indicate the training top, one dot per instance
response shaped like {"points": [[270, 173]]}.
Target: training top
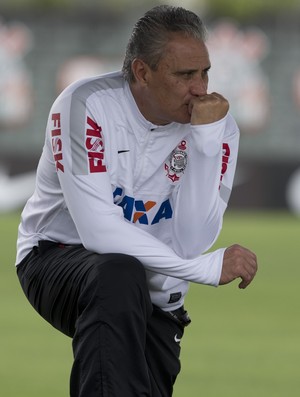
{"points": [[116, 183]]}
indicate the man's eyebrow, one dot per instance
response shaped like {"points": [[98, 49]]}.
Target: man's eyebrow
{"points": [[184, 71]]}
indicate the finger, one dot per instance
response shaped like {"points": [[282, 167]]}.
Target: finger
{"points": [[247, 277], [252, 264], [213, 97], [216, 94], [248, 257], [243, 284]]}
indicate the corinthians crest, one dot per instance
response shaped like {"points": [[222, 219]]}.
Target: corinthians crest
{"points": [[177, 162]]}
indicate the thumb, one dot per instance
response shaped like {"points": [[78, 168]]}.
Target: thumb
{"points": [[243, 284]]}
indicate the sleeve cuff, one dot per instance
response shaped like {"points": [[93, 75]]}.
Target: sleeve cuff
{"points": [[208, 137]]}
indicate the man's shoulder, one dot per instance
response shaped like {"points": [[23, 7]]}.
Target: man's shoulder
{"points": [[230, 122], [90, 85], [89, 90], [86, 87]]}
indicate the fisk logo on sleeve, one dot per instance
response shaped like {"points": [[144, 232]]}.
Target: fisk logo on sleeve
{"points": [[225, 159], [95, 146], [57, 142]]}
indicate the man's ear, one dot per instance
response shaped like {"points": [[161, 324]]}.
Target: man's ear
{"points": [[141, 71]]}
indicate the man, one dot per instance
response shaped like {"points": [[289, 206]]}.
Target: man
{"points": [[132, 185]]}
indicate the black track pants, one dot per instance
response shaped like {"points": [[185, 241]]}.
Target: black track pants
{"points": [[123, 346]]}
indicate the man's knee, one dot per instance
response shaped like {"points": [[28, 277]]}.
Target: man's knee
{"points": [[120, 280], [121, 269]]}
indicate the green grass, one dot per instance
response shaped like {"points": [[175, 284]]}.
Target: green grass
{"points": [[242, 343], [246, 342]]}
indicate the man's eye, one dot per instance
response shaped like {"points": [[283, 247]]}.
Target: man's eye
{"points": [[205, 72], [187, 75]]}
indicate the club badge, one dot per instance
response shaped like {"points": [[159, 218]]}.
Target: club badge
{"points": [[177, 162]]}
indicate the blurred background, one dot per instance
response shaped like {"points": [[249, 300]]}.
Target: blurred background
{"points": [[241, 343], [255, 53]]}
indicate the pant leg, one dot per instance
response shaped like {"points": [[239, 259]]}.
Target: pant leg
{"points": [[163, 352], [111, 333], [51, 277], [103, 302]]}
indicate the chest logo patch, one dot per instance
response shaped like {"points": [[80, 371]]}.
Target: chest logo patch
{"points": [[177, 162]]}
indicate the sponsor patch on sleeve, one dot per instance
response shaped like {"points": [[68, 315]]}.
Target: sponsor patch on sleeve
{"points": [[94, 144], [175, 297]]}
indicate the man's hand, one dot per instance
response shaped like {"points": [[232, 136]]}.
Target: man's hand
{"points": [[208, 108], [238, 262]]}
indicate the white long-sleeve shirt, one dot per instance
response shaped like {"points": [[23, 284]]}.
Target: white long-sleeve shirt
{"points": [[114, 182]]}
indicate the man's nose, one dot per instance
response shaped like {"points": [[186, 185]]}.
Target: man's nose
{"points": [[199, 87]]}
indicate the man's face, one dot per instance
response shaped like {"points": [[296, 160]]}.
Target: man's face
{"points": [[182, 75]]}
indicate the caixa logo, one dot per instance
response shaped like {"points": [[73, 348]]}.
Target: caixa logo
{"points": [[137, 210]]}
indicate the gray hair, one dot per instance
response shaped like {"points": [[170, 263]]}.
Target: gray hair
{"points": [[152, 32]]}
